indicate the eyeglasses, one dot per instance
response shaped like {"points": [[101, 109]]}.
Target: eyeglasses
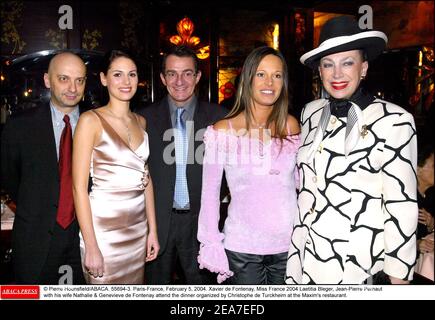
{"points": [[186, 75]]}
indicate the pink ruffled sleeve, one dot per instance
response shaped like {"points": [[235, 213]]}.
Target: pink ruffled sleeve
{"points": [[212, 254]]}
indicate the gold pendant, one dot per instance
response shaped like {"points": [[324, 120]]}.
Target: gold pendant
{"points": [[364, 131]]}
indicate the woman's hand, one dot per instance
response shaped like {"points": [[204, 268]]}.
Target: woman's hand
{"points": [[425, 245], [398, 281], [94, 262], [426, 218], [153, 246]]}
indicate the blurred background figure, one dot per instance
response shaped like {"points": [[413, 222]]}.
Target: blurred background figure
{"points": [[426, 189]]}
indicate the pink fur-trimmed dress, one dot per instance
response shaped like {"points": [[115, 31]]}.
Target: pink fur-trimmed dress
{"points": [[262, 179]]}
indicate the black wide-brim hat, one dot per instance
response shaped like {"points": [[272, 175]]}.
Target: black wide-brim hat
{"points": [[341, 34]]}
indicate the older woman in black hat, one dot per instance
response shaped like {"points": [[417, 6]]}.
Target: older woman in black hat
{"points": [[357, 165]]}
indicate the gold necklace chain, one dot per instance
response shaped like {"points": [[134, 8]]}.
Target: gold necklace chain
{"points": [[126, 127]]}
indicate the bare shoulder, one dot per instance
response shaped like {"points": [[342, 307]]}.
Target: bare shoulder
{"points": [[89, 125], [234, 123], [89, 118], [221, 125], [293, 124], [141, 120]]}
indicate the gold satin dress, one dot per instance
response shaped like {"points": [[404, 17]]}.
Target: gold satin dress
{"points": [[119, 175]]}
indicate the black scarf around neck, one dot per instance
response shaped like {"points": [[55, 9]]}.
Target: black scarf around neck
{"points": [[340, 107]]}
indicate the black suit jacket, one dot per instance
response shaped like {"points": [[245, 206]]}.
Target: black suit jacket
{"points": [[29, 173], [158, 121]]}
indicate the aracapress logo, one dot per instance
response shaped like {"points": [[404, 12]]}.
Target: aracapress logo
{"points": [[19, 292]]}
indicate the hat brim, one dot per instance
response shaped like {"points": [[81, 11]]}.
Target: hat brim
{"points": [[372, 42]]}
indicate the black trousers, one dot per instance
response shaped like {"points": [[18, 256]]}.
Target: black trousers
{"points": [[181, 244], [63, 263], [257, 269]]}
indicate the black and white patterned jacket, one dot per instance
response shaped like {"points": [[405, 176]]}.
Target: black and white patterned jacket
{"points": [[357, 214]]}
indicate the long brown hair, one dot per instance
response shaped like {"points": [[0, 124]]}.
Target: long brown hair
{"points": [[244, 100]]}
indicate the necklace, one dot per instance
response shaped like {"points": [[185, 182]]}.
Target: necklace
{"points": [[259, 130], [126, 127], [259, 125]]}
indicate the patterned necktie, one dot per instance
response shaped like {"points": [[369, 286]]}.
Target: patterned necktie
{"points": [[181, 194], [353, 129], [65, 210]]}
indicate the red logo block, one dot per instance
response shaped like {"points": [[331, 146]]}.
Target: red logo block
{"points": [[19, 292]]}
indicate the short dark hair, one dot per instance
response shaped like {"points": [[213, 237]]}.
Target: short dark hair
{"points": [[111, 56], [180, 51]]}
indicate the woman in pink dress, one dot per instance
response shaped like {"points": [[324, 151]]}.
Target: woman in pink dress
{"points": [[256, 147]]}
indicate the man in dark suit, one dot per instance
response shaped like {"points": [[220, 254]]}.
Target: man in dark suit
{"points": [[176, 166], [45, 235]]}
